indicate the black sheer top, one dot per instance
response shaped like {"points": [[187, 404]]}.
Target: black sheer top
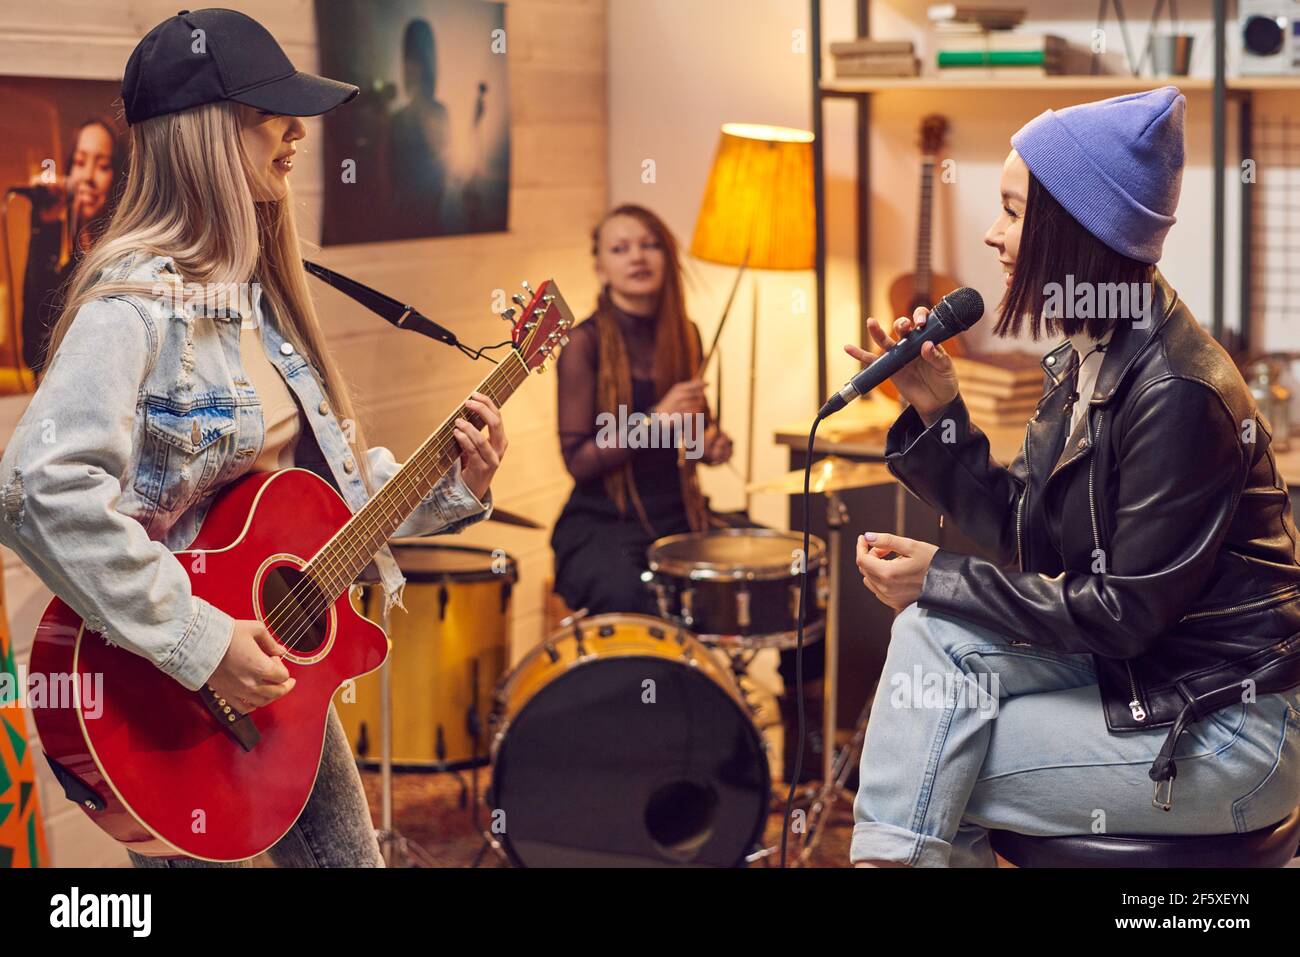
{"points": [[654, 470]]}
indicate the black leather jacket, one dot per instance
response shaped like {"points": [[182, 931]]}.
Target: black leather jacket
{"points": [[1158, 536]]}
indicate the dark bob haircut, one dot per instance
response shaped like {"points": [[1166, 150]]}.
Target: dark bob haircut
{"points": [[1056, 249]]}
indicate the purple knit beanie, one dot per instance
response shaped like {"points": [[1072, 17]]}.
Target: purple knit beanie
{"points": [[1115, 165]]}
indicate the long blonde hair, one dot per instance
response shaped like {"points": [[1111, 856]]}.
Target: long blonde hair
{"points": [[189, 195]]}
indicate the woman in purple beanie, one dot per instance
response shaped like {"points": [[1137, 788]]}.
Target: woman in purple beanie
{"points": [[1133, 610]]}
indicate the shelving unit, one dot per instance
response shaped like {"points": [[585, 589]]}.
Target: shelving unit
{"points": [[1086, 84], [861, 91]]}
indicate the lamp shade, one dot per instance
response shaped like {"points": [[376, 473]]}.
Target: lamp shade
{"points": [[759, 200]]}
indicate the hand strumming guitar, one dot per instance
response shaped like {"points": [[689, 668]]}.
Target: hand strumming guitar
{"points": [[251, 674]]}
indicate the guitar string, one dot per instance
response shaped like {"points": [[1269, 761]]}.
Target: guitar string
{"points": [[331, 565], [336, 572], [296, 616], [335, 566]]}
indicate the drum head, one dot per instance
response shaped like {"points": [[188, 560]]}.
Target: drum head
{"points": [[631, 761], [427, 561], [731, 553]]}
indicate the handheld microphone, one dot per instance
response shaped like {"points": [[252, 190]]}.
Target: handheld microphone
{"points": [[954, 313], [42, 193]]}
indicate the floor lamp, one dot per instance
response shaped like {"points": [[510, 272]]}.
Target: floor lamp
{"points": [[757, 213]]}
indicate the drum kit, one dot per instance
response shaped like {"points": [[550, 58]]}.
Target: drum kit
{"points": [[621, 739]]}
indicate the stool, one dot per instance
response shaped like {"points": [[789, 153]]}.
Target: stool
{"points": [[1272, 846]]}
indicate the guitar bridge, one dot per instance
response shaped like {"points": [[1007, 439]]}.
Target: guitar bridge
{"points": [[236, 724]]}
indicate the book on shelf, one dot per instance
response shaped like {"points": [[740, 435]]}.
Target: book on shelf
{"points": [[1001, 420], [961, 73], [985, 406], [991, 18], [1025, 389], [995, 58], [1005, 40], [1005, 369], [877, 66], [866, 45]]}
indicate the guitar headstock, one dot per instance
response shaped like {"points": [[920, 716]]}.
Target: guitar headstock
{"points": [[542, 328], [934, 130]]}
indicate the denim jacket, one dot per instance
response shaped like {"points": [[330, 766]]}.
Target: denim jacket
{"points": [[144, 414]]}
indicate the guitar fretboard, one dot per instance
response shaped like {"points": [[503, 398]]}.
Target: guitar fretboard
{"points": [[923, 275], [337, 565]]}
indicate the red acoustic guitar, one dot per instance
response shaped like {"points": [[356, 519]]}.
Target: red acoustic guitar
{"points": [[167, 771]]}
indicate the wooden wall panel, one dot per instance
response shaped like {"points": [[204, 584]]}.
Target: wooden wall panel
{"points": [[405, 386]]}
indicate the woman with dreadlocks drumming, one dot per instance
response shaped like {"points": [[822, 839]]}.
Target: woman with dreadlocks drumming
{"points": [[637, 353]]}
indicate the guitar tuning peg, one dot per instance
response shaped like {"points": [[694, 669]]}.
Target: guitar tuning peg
{"points": [[519, 300], [508, 315], [527, 288]]}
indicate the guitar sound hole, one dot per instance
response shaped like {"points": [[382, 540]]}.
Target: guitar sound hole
{"points": [[294, 609]]}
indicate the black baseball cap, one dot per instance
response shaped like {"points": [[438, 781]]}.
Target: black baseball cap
{"points": [[233, 58]]}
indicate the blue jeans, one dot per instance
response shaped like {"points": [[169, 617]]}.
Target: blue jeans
{"points": [[334, 829], [969, 732]]}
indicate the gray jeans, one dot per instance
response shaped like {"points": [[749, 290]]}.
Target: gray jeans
{"points": [[334, 829]]}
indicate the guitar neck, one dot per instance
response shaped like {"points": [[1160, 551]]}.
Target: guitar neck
{"points": [[337, 565], [922, 272]]}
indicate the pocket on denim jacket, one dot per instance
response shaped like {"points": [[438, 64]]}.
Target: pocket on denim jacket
{"points": [[1279, 793], [182, 452]]}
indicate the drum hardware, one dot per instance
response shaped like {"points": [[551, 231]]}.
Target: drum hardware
{"points": [[687, 607], [743, 617], [428, 699], [835, 785], [829, 477], [395, 846], [837, 516]]}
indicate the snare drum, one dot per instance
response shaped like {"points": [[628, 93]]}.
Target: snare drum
{"points": [[448, 653], [739, 586], [622, 741]]}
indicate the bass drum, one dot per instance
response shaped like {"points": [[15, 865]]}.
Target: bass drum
{"points": [[448, 653], [623, 741]]}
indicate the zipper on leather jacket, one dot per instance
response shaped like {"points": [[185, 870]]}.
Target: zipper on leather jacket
{"points": [[1092, 470], [1135, 705], [1020, 505], [1275, 598]]}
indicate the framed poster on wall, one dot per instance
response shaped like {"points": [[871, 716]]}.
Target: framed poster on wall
{"points": [[425, 149], [62, 162]]}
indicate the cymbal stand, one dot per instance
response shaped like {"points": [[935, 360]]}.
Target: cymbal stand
{"points": [[841, 766], [834, 787], [837, 516]]}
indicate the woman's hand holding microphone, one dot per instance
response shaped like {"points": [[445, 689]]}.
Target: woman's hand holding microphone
{"points": [[928, 384]]}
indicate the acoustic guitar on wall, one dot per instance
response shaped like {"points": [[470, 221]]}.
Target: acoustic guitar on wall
{"points": [[923, 286]]}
